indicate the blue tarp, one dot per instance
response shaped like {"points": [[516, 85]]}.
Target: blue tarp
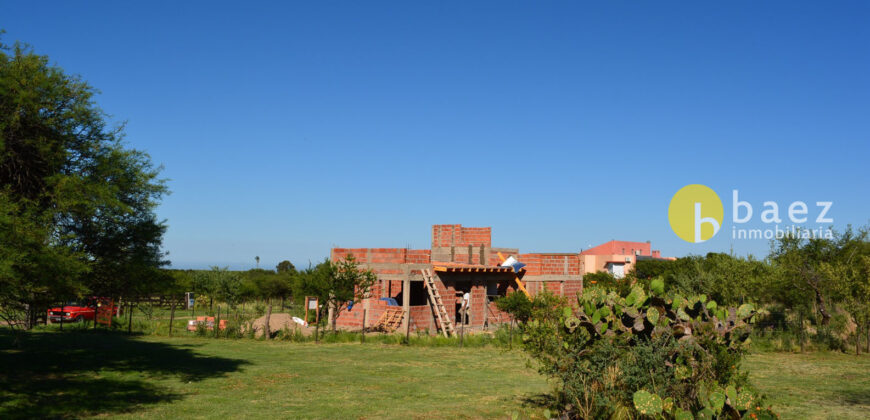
{"points": [[390, 301], [517, 266]]}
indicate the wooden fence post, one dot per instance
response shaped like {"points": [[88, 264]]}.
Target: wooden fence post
{"points": [[171, 315], [801, 329], [462, 327], [130, 317], [511, 333], [365, 312], [217, 322]]}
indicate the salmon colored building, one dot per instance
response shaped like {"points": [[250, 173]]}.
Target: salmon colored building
{"points": [[617, 257], [460, 262]]}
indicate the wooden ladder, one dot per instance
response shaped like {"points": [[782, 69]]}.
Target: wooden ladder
{"points": [[391, 319], [438, 304]]}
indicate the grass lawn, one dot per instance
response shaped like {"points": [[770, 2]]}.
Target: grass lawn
{"points": [[823, 385], [79, 374]]}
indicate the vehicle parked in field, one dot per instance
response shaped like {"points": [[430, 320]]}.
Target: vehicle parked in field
{"points": [[79, 310]]}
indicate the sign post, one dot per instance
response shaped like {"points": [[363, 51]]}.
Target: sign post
{"points": [[311, 303]]}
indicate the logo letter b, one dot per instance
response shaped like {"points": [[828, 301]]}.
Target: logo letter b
{"points": [[686, 217], [700, 221], [736, 209]]}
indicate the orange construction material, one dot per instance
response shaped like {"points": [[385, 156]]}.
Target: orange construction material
{"points": [[517, 279]]}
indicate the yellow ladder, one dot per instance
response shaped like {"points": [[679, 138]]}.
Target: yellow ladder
{"points": [[438, 304]]}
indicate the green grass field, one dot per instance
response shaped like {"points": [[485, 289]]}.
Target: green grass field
{"points": [[822, 385], [80, 374]]}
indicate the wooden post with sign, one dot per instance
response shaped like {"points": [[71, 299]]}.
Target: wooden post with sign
{"points": [[311, 303]]}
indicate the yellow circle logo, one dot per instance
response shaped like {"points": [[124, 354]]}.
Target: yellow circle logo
{"points": [[695, 213]]}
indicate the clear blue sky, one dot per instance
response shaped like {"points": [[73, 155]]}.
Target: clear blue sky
{"points": [[288, 129]]}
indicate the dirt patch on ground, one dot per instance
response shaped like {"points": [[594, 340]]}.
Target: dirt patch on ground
{"points": [[277, 323]]}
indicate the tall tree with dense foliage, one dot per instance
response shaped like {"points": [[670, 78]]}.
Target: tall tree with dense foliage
{"points": [[77, 205], [218, 283], [803, 268], [849, 276], [285, 267]]}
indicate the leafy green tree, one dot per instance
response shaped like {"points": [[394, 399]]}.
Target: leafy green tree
{"points": [[33, 273], [605, 280], [219, 284], [815, 273], [723, 277], [268, 285], [285, 267], [335, 284], [81, 204], [849, 275], [801, 267], [517, 304]]}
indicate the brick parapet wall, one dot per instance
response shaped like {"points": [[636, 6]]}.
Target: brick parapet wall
{"points": [[458, 236], [551, 264]]}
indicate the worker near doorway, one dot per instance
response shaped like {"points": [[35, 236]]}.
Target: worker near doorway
{"points": [[466, 305]]}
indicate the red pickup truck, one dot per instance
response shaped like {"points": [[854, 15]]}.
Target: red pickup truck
{"points": [[78, 311]]}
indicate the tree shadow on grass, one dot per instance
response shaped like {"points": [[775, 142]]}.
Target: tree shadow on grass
{"points": [[75, 374], [539, 400], [856, 396]]}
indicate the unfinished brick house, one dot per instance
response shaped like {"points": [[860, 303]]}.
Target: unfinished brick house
{"points": [[463, 260]]}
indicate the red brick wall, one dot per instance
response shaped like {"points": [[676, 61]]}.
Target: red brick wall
{"points": [[456, 235], [494, 259], [572, 288], [352, 319], [421, 316], [551, 264], [460, 255], [418, 256], [340, 253], [383, 255]]}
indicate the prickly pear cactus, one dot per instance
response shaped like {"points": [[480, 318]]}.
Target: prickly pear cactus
{"points": [[603, 313], [647, 403], [697, 321]]}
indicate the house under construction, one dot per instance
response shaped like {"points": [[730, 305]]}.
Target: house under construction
{"points": [[422, 289]]}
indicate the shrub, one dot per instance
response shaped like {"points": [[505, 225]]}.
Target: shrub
{"points": [[517, 304], [643, 353], [607, 281]]}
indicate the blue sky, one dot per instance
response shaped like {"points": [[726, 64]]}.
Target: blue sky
{"points": [[286, 129]]}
